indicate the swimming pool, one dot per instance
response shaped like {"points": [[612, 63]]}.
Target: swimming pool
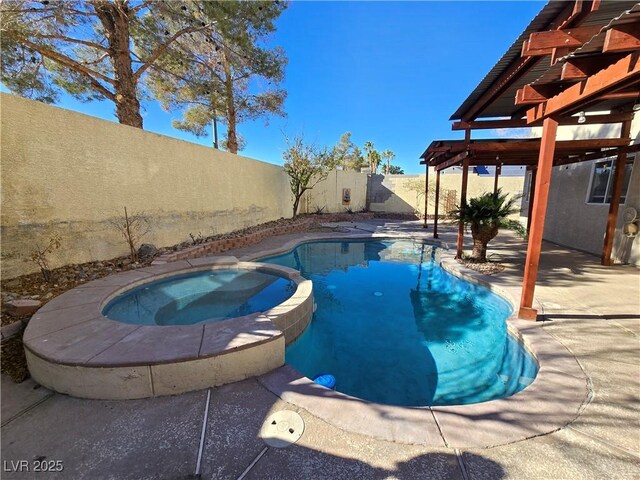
{"points": [[393, 327], [195, 297]]}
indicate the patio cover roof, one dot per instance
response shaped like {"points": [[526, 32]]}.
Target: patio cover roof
{"points": [[541, 69], [443, 154], [580, 57]]}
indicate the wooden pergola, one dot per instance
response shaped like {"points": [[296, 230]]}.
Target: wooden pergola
{"points": [[576, 63]]}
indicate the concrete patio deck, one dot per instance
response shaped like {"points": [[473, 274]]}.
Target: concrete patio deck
{"points": [[592, 310]]}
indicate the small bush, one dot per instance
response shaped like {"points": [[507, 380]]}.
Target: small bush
{"points": [[40, 256]]}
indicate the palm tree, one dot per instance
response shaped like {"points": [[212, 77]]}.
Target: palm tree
{"points": [[373, 156], [388, 155], [485, 215]]}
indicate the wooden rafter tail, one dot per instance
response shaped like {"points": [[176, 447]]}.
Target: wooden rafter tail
{"points": [[489, 124], [621, 74], [453, 161], [569, 38], [622, 38]]}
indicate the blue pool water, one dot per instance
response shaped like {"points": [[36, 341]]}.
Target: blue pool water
{"points": [[393, 327], [200, 296]]}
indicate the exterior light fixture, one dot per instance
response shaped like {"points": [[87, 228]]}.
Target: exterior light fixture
{"points": [[582, 118]]}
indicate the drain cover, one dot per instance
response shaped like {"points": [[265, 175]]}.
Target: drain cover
{"points": [[282, 429]]}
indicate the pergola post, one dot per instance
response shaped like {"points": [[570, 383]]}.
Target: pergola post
{"points": [[495, 180], [543, 179], [426, 192], [612, 218], [435, 218], [532, 196], [463, 201]]}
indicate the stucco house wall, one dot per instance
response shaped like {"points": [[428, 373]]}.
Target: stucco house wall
{"points": [[570, 220]]}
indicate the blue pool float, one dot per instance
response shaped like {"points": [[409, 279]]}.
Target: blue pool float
{"points": [[326, 380]]}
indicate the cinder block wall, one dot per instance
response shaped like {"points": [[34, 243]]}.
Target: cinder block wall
{"points": [[71, 174], [405, 193]]}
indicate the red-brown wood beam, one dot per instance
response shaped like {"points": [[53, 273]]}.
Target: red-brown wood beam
{"points": [[453, 161], [543, 179], [489, 124], [570, 16], [618, 179], [569, 38], [622, 38], [620, 74], [463, 204], [495, 178], [531, 94], [579, 68], [522, 123], [426, 194], [532, 196], [558, 53], [437, 206]]}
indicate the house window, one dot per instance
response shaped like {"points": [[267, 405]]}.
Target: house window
{"points": [[602, 177]]}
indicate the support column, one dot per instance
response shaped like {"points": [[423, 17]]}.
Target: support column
{"points": [[612, 218], [435, 218], [463, 201], [543, 179], [532, 196], [426, 193], [495, 180]]}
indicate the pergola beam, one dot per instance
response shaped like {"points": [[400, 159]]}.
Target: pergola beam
{"points": [[625, 72], [529, 94], [572, 14], [622, 38], [453, 161], [616, 117], [579, 68], [550, 39]]}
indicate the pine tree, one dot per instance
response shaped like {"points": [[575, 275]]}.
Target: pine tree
{"points": [[347, 154], [225, 74]]}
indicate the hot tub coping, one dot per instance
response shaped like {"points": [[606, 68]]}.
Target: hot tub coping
{"points": [[71, 329]]}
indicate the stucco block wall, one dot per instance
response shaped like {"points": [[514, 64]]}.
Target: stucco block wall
{"points": [[405, 193], [328, 193], [71, 174], [573, 222]]}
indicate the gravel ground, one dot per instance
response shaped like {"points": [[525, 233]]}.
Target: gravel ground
{"points": [[33, 286], [488, 267]]}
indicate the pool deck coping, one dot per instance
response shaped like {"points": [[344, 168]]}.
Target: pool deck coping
{"points": [[71, 330], [556, 397]]}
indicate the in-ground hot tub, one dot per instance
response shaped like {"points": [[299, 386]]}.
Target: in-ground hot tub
{"points": [[168, 329], [203, 296]]}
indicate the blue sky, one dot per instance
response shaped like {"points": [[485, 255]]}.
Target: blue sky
{"points": [[389, 72]]}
